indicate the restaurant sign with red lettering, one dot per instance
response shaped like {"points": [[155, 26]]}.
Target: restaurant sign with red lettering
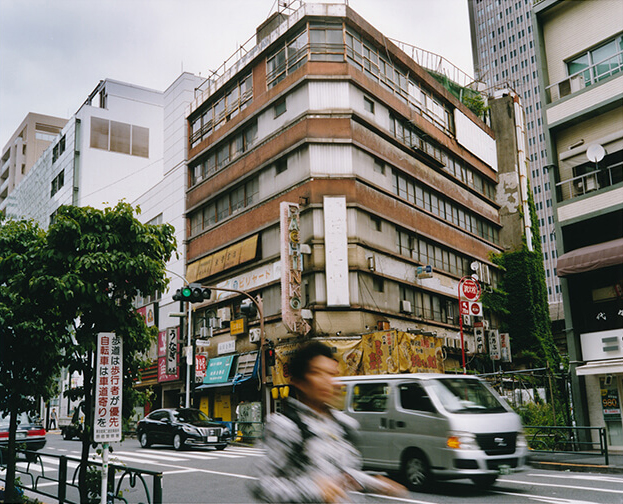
{"points": [[108, 388]]}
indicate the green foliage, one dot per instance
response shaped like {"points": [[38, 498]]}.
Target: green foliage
{"points": [[476, 103], [520, 302]]}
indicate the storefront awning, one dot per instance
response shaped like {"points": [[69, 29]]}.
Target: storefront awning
{"points": [[591, 258], [235, 382], [614, 366]]}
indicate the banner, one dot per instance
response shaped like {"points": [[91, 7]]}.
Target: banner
{"points": [[419, 354], [108, 388], [380, 353]]}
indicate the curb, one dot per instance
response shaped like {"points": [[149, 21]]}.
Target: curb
{"points": [[559, 466]]}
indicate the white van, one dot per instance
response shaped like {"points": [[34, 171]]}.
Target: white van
{"points": [[434, 426]]}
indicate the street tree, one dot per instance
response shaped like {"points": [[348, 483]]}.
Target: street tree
{"points": [[97, 262], [32, 331]]}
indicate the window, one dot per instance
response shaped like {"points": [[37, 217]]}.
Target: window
{"points": [[57, 183], [368, 105], [376, 223], [119, 137], [598, 63], [281, 165], [280, 107], [379, 166], [378, 285], [57, 150], [370, 397], [413, 397]]}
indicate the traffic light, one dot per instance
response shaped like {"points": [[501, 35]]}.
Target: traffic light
{"points": [[193, 293], [269, 355], [248, 309]]}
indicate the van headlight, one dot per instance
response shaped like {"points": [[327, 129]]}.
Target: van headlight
{"points": [[462, 441], [522, 442]]}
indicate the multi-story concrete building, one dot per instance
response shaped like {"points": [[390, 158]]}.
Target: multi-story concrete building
{"points": [[325, 167], [580, 58], [26, 145], [504, 55], [124, 142]]}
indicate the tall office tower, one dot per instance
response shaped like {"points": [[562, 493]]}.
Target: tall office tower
{"points": [[504, 56]]}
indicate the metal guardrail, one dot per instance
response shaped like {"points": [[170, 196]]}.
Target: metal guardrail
{"points": [[563, 439], [120, 478]]}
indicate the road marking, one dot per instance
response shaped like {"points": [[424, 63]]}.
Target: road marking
{"points": [[188, 455], [560, 486], [399, 499], [592, 477], [549, 500], [147, 455], [181, 471]]}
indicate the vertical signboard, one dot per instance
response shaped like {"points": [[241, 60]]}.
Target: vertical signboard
{"points": [[336, 251], [291, 269], [108, 388], [505, 347], [168, 355], [494, 345]]}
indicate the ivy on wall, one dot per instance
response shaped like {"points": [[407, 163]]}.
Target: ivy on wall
{"points": [[520, 301]]}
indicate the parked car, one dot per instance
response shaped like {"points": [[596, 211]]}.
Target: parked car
{"points": [[434, 426], [181, 427], [30, 433]]}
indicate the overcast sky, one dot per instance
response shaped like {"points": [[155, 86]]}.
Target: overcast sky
{"points": [[53, 53]]}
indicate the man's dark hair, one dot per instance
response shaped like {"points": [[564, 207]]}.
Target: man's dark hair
{"points": [[299, 363]]}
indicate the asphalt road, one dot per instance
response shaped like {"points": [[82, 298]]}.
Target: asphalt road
{"points": [[209, 476]]}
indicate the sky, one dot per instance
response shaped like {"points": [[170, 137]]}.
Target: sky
{"points": [[53, 53]]}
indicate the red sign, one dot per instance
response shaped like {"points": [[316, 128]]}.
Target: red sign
{"points": [[475, 309], [464, 307], [470, 289], [201, 365]]}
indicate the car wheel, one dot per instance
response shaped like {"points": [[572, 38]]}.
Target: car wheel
{"points": [[66, 436], [142, 438], [178, 442], [415, 471], [484, 481], [221, 447]]}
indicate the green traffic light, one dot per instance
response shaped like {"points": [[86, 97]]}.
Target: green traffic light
{"points": [[186, 292]]}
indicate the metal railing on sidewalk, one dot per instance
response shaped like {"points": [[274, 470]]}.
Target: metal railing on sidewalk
{"points": [[568, 439], [64, 488]]}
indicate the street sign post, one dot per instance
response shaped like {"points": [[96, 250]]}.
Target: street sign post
{"points": [[469, 294]]}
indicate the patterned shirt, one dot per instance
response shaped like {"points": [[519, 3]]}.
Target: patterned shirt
{"points": [[287, 475]]}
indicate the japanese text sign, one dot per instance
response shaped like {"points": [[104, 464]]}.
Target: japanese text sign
{"points": [[108, 388]]}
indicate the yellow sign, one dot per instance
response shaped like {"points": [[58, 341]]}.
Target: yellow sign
{"points": [[229, 257], [238, 326]]}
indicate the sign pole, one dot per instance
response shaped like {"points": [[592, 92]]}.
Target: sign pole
{"points": [[104, 493], [189, 359], [461, 329]]}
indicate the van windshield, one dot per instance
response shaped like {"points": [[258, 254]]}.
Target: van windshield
{"points": [[466, 396]]}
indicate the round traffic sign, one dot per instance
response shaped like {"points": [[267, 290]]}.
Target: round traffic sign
{"points": [[475, 309], [470, 289]]}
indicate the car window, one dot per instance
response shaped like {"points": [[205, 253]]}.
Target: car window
{"points": [[466, 396], [190, 415], [159, 415], [22, 418], [414, 397], [370, 397]]}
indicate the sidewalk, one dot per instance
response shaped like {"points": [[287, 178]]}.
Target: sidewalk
{"points": [[565, 461]]}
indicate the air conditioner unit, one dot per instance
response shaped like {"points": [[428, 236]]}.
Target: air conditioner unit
{"points": [[224, 313], [254, 335], [405, 306]]}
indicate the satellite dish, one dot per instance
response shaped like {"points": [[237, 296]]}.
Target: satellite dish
{"points": [[595, 153]]}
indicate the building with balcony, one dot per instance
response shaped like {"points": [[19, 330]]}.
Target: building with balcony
{"points": [[31, 138], [504, 54], [580, 57], [327, 169]]}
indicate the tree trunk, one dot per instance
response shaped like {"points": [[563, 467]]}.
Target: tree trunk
{"points": [[87, 373], [10, 494]]}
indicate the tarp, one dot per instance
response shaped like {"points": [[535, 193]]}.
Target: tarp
{"points": [[591, 258]]}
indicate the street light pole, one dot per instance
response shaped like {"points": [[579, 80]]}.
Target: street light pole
{"points": [[189, 349]]}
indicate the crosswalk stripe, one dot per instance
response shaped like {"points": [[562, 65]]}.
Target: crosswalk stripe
{"points": [[147, 455]]}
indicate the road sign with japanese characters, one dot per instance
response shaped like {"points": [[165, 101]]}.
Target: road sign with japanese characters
{"points": [[108, 388]]}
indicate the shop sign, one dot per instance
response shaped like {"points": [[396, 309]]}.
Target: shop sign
{"points": [[494, 345], [168, 355], [225, 347], [470, 289], [108, 388], [201, 365], [291, 269], [149, 314], [336, 250], [218, 369], [505, 347], [610, 403]]}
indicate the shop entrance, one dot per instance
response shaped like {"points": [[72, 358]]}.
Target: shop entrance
{"points": [[222, 407], [611, 408]]}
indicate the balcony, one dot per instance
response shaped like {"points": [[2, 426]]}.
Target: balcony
{"points": [[593, 181], [588, 76]]}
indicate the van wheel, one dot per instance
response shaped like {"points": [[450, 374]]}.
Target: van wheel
{"points": [[485, 481], [415, 471]]}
